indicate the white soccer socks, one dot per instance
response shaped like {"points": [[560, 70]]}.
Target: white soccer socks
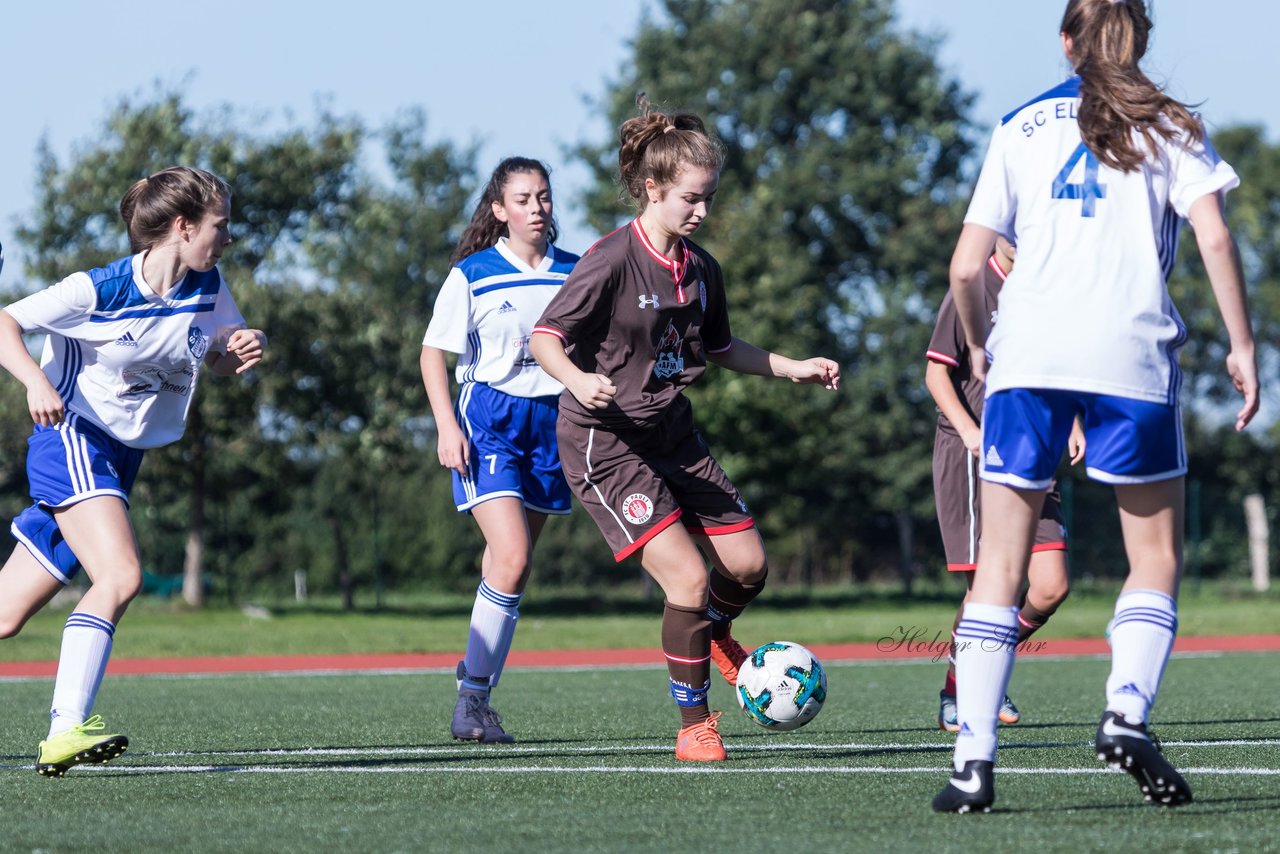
{"points": [[493, 626], [986, 640], [1141, 638], [86, 646]]}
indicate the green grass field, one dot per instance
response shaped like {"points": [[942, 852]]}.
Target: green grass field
{"points": [[364, 763]]}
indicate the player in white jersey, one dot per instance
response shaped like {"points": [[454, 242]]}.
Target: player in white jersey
{"points": [[500, 440], [1091, 180], [125, 345]]}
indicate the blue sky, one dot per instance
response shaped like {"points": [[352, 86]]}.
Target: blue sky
{"points": [[512, 77]]}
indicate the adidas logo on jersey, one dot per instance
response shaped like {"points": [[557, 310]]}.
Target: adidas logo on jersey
{"points": [[506, 307], [126, 340], [993, 457]]}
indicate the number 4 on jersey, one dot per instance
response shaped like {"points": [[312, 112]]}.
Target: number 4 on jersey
{"points": [[1087, 191]]}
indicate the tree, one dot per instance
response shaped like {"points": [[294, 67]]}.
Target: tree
{"points": [[838, 205], [354, 393], [338, 268]]}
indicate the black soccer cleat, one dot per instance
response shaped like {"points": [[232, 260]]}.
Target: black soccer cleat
{"points": [[971, 789], [1129, 748]]}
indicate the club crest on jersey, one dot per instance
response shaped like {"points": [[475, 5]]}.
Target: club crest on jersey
{"points": [[670, 359], [648, 301], [198, 342], [702, 294], [638, 508]]}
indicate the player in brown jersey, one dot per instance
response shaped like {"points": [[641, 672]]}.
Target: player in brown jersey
{"points": [[957, 443], [634, 324]]}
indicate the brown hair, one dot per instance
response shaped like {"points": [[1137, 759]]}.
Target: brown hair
{"points": [[151, 205], [660, 146], [1108, 37], [484, 229]]}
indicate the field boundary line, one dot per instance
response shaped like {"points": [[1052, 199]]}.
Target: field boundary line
{"points": [[895, 648]]}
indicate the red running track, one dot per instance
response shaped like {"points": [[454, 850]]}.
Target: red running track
{"points": [[906, 646]]}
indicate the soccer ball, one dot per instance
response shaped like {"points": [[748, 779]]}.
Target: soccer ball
{"points": [[781, 685]]}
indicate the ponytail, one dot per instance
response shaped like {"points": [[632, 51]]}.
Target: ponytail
{"points": [[1108, 38], [151, 205], [660, 146]]}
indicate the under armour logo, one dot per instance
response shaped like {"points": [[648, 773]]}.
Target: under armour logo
{"points": [[649, 300]]}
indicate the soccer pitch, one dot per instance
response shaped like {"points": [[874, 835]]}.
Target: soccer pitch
{"points": [[363, 762]]}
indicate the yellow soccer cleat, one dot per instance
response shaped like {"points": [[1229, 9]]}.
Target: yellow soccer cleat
{"points": [[85, 743]]}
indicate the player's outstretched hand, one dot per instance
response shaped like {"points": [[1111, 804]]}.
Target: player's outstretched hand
{"points": [[45, 404], [1244, 376], [818, 371], [594, 391], [247, 346]]}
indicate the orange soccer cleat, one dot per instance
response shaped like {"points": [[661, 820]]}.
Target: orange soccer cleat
{"points": [[701, 742], [727, 655]]}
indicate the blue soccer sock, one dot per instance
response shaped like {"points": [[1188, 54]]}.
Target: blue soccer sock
{"points": [[1142, 636], [493, 626], [86, 646], [986, 641]]}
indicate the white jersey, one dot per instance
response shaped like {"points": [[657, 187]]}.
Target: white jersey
{"points": [[1086, 307], [123, 357], [486, 311]]}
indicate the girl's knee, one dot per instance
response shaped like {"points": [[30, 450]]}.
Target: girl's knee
{"points": [[121, 587], [747, 566]]}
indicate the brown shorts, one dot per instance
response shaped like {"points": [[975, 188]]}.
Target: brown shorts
{"points": [[955, 492], [635, 483]]}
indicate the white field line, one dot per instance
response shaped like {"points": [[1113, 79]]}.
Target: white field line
{"points": [[611, 769], [793, 747], [467, 755]]}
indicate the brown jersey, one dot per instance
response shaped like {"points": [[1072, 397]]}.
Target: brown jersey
{"points": [[643, 320], [949, 346], [955, 469]]}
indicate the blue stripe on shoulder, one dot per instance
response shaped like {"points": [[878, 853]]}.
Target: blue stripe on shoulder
{"points": [[519, 283], [155, 311], [114, 285], [561, 261], [1069, 88], [199, 284], [485, 263], [117, 290]]}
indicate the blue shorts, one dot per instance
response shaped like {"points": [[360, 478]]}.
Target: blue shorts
{"points": [[65, 465], [513, 451], [1127, 441]]}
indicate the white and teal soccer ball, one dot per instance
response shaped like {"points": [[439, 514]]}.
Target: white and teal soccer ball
{"points": [[781, 685]]}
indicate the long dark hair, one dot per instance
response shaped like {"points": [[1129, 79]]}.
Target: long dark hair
{"points": [[1108, 37], [485, 228], [150, 206], [658, 145]]}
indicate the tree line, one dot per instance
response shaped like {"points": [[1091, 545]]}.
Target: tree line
{"points": [[849, 157]]}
